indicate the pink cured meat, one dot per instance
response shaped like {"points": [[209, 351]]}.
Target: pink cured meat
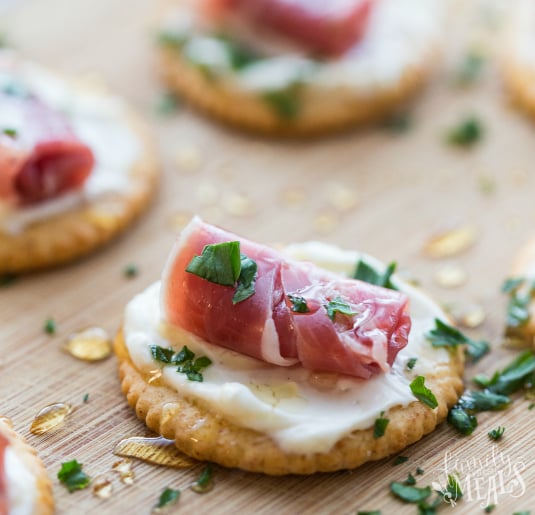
{"points": [[264, 325], [44, 158], [325, 27]]}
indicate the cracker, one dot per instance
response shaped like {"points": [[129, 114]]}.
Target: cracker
{"points": [[73, 234], [44, 501], [322, 112], [177, 417]]}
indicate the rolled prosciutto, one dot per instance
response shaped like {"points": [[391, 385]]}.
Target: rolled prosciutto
{"points": [[321, 27], [40, 156], [247, 297]]}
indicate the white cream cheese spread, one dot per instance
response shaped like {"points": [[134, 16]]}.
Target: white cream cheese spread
{"points": [[98, 120], [399, 36], [21, 485], [301, 410]]}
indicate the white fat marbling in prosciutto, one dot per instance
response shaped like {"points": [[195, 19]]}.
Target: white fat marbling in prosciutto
{"points": [[265, 326]]}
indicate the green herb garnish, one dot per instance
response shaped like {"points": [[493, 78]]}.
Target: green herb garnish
{"points": [[496, 434], [130, 271], [422, 393], [72, 476], [400, 459], [531, 406], [409, 493], [172, 39], [285, 102], [12, 133], [49, 326], [410, 481], [205, 482], [337, 305], [453, 489], [380, 425], [222, 263], [444, 335], [86, 398], [518, 313], [398, 123], [167, 103], [470, 69], [411, 362], [462, 421], [185, 361], [419, 471], [490, 508], [373, 512], [168, 497], [7, 280], [466, 134], [299, 304], [365, 272]]}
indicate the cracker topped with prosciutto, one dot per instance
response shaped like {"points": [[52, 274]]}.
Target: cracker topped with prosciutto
{"points": [[263, 360], [295, 67], [76, 167]]}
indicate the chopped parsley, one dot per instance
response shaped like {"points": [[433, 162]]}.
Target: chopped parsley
{"points": [[72, 476], [422, 393], [380, 425], [166, 103], [373, 512], [496, 434], [410, 481], [419, 471], [337, 305], [185, 361], [400, 459], [49, 326], [173, 39], [368, 274], [285, 102], [518, 313], [409, 493], [86, 398], [531, 406], [466, 133], [12, 133], [470, 68], [7, 280], [444, 335], [490, 508], [299, 304], [130, 271], [398, 123], [411, 362], [168, 497], [453, 489], [223, 264], [205, 482], [462, 421]]}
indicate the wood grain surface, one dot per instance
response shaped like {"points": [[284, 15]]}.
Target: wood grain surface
{"points": [[398, 190]]}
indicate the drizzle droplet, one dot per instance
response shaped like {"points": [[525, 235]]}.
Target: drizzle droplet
{"points": [[124, 469], [92, 344], [49, 417], [159, 451]]}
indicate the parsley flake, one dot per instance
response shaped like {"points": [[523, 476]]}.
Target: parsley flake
{"points": [[411, 362], [419, 471], [337, 305], [72, 476], [7, 280], [462, 421], [422, 393], [453, 488], [411, 480], [205, 482], [368, 274], [49, 326], [467, 133], [299, 304], [520, 296], [130, 271], [409, 493], [444, 335], [168, 497], [400, 459], [86, 398], [285, 102], [222, 263], [398, 123], [496, 434], [185, 360], [470, 68], [380, 425], [12, 133], [490, 508], [373, 512]]}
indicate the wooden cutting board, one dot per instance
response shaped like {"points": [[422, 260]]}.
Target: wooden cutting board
{"points": [[383, 193]]}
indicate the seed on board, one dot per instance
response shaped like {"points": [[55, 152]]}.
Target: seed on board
{"points": [[179, 220], [102, 487], [341, 197], [450, 276], [124, 469], [49, 417], [451, 242], [91, 344], [325, 222], [237, 204], [188, 159], [293, 197]]}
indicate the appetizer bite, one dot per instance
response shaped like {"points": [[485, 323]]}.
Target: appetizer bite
{"points": [[25, 488], [278, 362], [298, 67], [76, 167], [519, 55]]}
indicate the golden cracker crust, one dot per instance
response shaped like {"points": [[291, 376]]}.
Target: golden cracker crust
{"points": [[44, 502], [204, 435], [78, 232], [519, 79], [322, 112]]}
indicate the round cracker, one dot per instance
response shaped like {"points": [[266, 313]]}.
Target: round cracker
{"points": [[519, 80], [205, 435], [323, 111], [44, 501], [75, 233]]}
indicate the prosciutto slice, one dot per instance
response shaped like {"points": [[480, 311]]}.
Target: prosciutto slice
{"points": [[4, 500], [362, 342], [40, 156], [323, 27]]}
